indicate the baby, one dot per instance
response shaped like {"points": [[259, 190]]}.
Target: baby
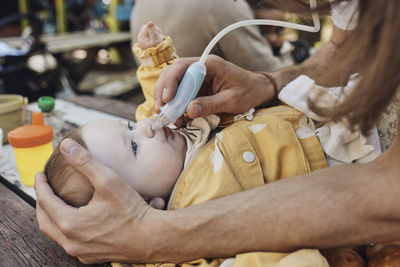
{"points": [[150, 161], [173, 168]]}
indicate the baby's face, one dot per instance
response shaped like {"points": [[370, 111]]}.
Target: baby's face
{"points": [[150, 161]]}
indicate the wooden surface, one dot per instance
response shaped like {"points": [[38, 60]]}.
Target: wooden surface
{"points": [[76, 40], [110, 84], [21, 242], [107, 105]]}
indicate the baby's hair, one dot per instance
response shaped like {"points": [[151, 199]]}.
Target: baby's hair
{"points": [[66, 182]]}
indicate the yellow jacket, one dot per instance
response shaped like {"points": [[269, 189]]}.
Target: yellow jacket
{"points": [[247, 154], [270, 146]]}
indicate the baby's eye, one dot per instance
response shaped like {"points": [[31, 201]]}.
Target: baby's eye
{"points": [[134, 147]]}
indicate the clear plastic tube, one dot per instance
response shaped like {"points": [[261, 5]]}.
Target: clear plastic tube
{"points": [[267, 22]]}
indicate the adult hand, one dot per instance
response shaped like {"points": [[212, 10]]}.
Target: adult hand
{"points": [[226, 88], [112, 227]]}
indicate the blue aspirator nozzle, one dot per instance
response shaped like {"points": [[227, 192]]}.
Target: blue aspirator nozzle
{"points": [[187, 91]]}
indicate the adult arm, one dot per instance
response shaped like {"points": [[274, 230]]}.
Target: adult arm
{"points": [[228, 88], [317, 66], [339, 206]]}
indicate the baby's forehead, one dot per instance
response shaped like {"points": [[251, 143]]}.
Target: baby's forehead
{"points": [[102, 125], [102, 130]]}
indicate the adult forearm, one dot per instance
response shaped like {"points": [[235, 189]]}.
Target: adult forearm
{"points": [[318, 65], [281, 216], [315, 67]]}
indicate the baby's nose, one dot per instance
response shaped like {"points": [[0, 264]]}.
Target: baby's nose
{"points": [[144, 128], [147, 130]]}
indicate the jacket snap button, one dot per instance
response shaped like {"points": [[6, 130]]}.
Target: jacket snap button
{"points": [[248, 156]]}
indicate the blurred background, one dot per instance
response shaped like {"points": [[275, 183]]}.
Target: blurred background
{"points": [[65, 48]]}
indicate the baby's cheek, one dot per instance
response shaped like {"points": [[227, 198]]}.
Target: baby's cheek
{"points": [[167, 169]]}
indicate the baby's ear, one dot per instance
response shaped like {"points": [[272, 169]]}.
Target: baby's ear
{"points": [[157, 203]]}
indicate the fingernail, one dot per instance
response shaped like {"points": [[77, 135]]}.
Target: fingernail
{"points": [[198, 109], [69, 146]]}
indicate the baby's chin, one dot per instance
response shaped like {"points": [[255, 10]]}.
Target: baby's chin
{"points": [[161, 190]]}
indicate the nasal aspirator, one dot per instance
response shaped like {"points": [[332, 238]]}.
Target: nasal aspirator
{"points": [[195, 74], [187, 91]]}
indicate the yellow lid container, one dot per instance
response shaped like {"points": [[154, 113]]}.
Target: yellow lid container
{"points": [[32, 146]]}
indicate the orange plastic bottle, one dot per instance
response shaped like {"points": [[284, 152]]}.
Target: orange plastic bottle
{"points": [[32, 146]]}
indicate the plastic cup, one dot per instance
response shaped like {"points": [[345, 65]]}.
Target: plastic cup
{"points": [[32, 146]]}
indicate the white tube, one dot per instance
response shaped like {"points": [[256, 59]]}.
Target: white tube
{"points": [[267, 22]]}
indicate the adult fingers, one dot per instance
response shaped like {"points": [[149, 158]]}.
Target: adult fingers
{"points": [[168, 81], [102, 178], [49, 202], [47, 226], [207, 105], [180, 122]]}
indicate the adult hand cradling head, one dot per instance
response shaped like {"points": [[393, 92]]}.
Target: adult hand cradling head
{"points": [[107, 221]]}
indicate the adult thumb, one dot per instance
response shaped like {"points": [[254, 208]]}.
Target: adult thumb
{"points": [[84, 162]]}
